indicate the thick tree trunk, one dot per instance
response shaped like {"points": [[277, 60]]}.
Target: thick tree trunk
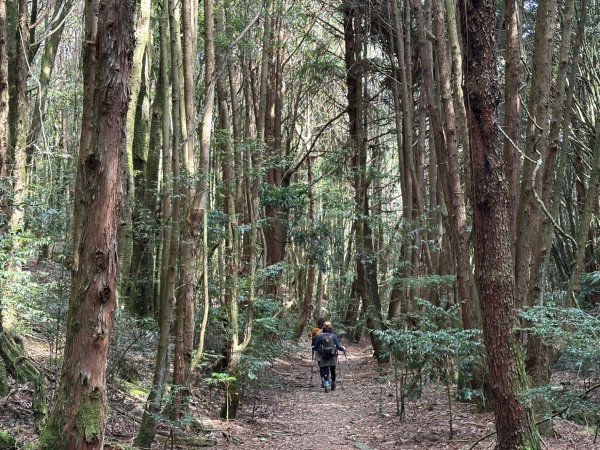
{"points": [[495, 270], [78, 418]]}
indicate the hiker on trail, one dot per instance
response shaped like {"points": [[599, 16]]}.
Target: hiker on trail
{"points": [[317, 330], [327, 345]]}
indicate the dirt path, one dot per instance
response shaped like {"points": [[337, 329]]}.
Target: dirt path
{"points": [[291, 414], [294, 415]]}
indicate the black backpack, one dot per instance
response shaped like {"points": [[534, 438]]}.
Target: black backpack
{"points": [[327, 346]]}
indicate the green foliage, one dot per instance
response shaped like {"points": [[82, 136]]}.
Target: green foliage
{"points": [[219, 378], [433, 349], [568, 403], [290, 197], [426, 281], [589, 290], [575, 333], [315, 240], [570, 329]]}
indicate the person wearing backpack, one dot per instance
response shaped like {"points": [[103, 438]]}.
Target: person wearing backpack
{"points": [[327, 345], [317, 330]]}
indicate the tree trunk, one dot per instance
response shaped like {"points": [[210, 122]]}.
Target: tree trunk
{"points": [[174, 246], [197, 195], [155, 401], [512, 108], [590, 204], [146, 151], [20, 184], [307, 300], [514, 422], [51, 43], [367, 288], [528, 210], [4, 126], [78, 418], [457, 208]]}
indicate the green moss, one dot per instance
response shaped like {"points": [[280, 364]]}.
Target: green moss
{"points": [[7, 442], [53, 437], [3, 379], [89, 419]]}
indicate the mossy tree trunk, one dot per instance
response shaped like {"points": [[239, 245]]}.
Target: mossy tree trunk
{"points": [[132, 126], [78, 418], [146, 141], [14, 361], [4, 126], [19, 173], [61, 9]]}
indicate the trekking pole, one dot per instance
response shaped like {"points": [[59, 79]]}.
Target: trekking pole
{"points": [[350, 370], [312, 369]]}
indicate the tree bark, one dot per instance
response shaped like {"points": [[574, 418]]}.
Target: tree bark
{"points": [[494, 263], [528, 210], [51, 44], [4, 125], [156, 401], [512, 108], [19, 173], [136, 82], [78, 418]]}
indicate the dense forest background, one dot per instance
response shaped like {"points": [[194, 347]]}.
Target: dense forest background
{"points": [[186, 187]]}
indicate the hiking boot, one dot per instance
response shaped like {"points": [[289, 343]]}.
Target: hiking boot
{"points": [[327, 386], [333, 386]]}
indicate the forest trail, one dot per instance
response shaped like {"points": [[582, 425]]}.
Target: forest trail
{"points": [[292, 414]]}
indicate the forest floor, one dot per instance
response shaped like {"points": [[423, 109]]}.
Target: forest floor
{"points": [[288, 412]]}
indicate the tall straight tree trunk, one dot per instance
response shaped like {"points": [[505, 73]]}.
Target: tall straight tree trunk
{"points": [[78, 418], [367, 290], [146, 152], [494, 263], [307, 300], [156, 401], [549, 170], [142, 30], [404, 107], [528, 210], [20, 189], [4, 134], [512, 108], [590, 205], [457, 208], [196, 193]]}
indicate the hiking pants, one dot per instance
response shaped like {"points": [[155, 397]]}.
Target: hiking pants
{"points": [[325, 373]]}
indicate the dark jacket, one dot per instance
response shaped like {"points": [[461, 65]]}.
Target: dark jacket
{"points": [[332, 360]]}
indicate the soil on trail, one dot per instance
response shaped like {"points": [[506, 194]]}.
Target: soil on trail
{"points": [[292, 414], [287, 412]]}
